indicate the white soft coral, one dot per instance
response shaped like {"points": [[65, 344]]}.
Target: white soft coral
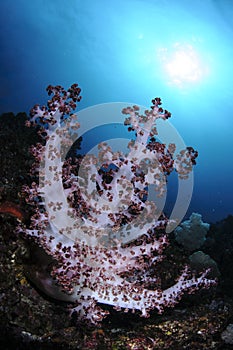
{"points": [[105, 242]]}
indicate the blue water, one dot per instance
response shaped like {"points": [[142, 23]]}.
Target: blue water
{"points": [[133, 51]]}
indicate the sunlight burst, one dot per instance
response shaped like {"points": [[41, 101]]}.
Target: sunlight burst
{"points": [[182, 64]]}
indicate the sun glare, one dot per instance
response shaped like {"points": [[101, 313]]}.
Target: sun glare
{"points": [[182, 64]]}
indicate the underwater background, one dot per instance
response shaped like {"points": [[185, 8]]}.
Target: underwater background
{"points": [[133, 51]]}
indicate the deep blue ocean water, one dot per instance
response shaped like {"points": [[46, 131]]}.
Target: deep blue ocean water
{"points": [[133, 51]]}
